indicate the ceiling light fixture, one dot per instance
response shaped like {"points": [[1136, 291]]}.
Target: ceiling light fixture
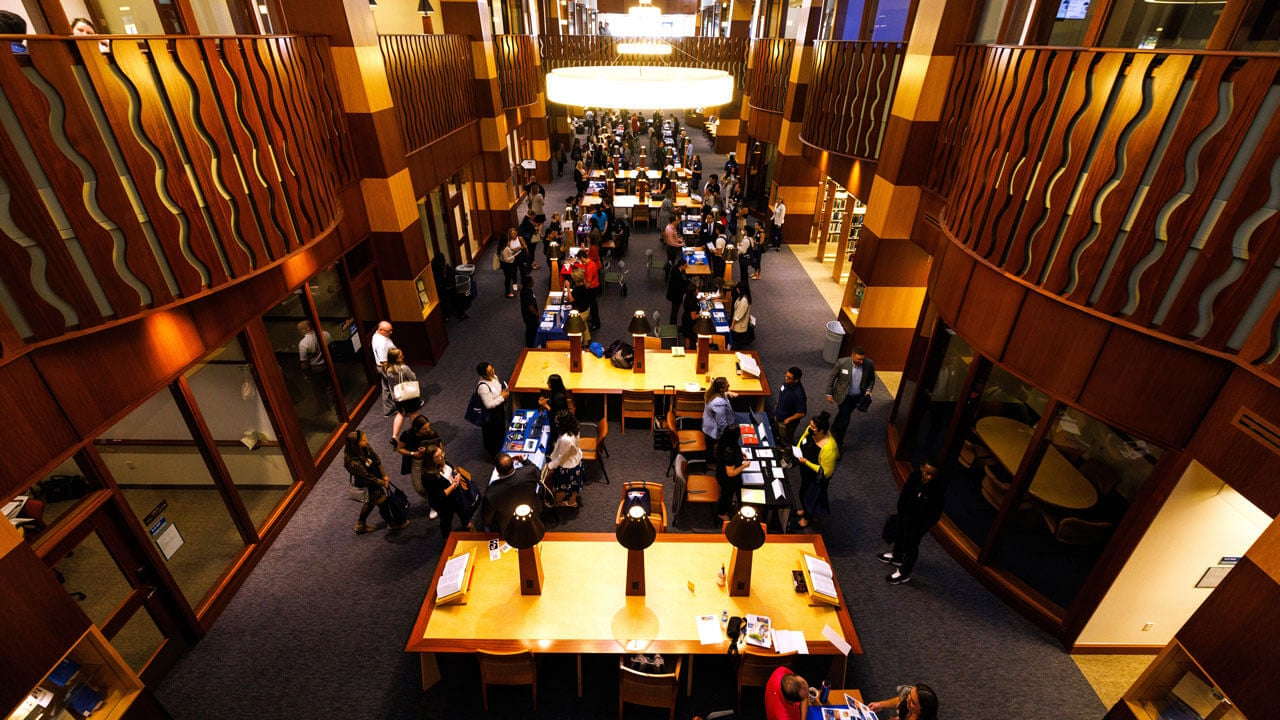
{"points": [[643, 47], [657, 87]]}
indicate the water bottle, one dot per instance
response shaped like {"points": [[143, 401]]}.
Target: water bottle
{"points": [[825, 693]]}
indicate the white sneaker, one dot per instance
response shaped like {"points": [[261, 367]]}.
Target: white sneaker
{"points": [[897, 578], [433, 515]]}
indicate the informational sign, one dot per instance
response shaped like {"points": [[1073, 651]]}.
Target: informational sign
{"points": [[1073, 9], [167, 537]]}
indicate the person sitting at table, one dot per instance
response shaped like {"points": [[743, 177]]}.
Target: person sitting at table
{"points": [[564, 472], [448, 490], [717, 413], [784, 695], [555, 400], [515, 485], [914, 702], [740, 330], [729, 467], [816, 453]]}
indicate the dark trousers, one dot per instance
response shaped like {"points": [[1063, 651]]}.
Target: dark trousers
{"points": [[531, 332], [494, 431], [777, 236], [675, 310], [841, 424], [906, 546]]}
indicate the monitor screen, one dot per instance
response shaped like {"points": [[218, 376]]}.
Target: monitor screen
{"points": [[1073, 9]]}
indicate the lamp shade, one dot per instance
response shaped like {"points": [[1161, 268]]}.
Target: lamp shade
{"points": [[635, 532], [745, 531], [424, 8], [553, 251], [574, 324], [730, 253], [704, 325], [523, 529], [639, 324]]}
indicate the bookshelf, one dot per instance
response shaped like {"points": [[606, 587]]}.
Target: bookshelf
{"points": [[100, 667], [1175, 687]]}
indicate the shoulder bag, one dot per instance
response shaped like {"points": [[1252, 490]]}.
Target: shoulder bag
{"points": [[358, 493], [477, 414], [405, 389]]}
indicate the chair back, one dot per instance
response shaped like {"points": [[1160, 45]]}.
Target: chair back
{"points": [[689, 403], [507, 668], [756, 668], [558, 345], [591, 444], [1078, 531], [657, 503], [649, 689]]}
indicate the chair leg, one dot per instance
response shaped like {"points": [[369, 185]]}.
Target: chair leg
{"points": [[484, 695], [600, 459]]}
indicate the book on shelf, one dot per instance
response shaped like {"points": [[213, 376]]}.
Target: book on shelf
{"points": [[84, 700], [820, 578], [455, 579], [64, 673]]}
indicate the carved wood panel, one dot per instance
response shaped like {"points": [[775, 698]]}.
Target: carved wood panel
{"points": [[431, 84], [517, 70], [847, 105]]}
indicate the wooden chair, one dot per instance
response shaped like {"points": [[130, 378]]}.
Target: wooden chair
{"points": [[653, 343], [994, 487], [690, 403], [684, 441], [513, 668], [640, 214], [593, 444], [657, 504], [558, 345], [693, 488], [658, 690], [637, 404], [716, 342], [1072, 530], [755, 668]]}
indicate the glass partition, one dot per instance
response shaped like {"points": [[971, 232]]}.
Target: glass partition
{"points": [[1149, 25], [342, 335], [306, 376], [40, 506], [228, 394]]}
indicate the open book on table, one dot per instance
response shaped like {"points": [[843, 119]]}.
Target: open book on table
{"points": [[455, 579], [821, 580]]}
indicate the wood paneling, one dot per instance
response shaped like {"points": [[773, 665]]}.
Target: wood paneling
{"points": [[846, 106], [1240, 459], [990, 306], [949, 281], [770, 73], [430, 78], [1234, 636], [1132, 182], [1055, 344], [1152, 386], [43, 432], [517, 63]]}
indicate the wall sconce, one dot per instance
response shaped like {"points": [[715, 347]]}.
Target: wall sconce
{"points": [[639, 329], [635, 533], [575, 327], [745, 534], [523, 531], [704, 328]]}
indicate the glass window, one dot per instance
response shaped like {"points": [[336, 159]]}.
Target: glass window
{"points": [[342, 336], [145, 17], [236, 17], [91, 577], [138, 639], [1087, 479], [942, 388], [989, 27], [1064, 22], [1148, 25], [1260, 31], [890, 24], [228, 394], [306, 374], [155, 461], [40, 506]]}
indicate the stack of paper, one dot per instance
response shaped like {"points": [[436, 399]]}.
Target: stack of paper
{"points": [[785, 641]]}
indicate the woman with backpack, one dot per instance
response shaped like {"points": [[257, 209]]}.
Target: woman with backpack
{"points": [[365, 468]]}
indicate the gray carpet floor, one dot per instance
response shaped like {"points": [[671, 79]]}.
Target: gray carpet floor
{"points": [[319, 628]]}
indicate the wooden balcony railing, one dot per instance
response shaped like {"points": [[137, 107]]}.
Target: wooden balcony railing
{"points": [[1143, 185], [157, 170], [727, 54], [847, 106], [770, 69], [517, 70], [431, 85]]}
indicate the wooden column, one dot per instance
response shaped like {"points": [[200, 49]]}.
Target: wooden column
{"points": [[734, 114], [795, 179]]}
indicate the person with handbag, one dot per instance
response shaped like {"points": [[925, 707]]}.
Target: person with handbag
{"points": [[816, 454], [492, 394], [403, 384], [415, 443], [849, 387], [448, 489], [564, 472], [365, 468], [919, 508]]}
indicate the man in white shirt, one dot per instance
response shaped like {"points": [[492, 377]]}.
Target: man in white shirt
{"points": [[314, 370], [779, 217], [380, 343]]}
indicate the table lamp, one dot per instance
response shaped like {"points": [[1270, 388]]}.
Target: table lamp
{"points": [[704, 328], [575, 327], [635, 533], [730, 257], [523, 531], [639, 329], [553, 256], [745, 534]]}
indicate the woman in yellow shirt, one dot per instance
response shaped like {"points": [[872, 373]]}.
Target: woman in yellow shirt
{"points": [[817, 453]]}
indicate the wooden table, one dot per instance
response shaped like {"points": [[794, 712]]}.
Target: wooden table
{"points": [[600, 377], [583, 608], [1057, 481]]}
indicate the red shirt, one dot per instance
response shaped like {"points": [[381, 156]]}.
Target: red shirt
{"points": [[777, 707]]}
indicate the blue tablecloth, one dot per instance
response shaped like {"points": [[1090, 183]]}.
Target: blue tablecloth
{"points": [[768, 467], [696, 256], [551, 327]]}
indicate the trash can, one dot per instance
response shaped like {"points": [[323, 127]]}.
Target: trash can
{"points": [[835, 338]]}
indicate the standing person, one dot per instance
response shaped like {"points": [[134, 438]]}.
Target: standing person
{"points": [[366, 472], [730, 465], [717, 413], [314, 370], [671, 239], [555, 400], [677, 284], [379, 344], [731, 165], [695, 167], [850, 381], [415, 443], [790, 409], [816, 453], [12, 23], [493, 394], [784, 694], [667, 211], [560, 157], [919, 507], [914, 702], [446, 487], [591, 273], [509, 258], [564, 472], [529, 311], [394, 372], [740, 326], [580, 178], [779, 217]]}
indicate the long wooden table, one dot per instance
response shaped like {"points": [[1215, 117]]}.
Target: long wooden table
{"points": [[583, 607], [1057, 482], [600, 377]]}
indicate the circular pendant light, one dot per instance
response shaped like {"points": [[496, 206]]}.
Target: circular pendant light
{"points": [[639, 86]]}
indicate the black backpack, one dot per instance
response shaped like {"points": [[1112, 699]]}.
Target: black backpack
{"points": [[621, 354]]}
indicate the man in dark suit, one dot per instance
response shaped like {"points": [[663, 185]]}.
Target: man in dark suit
{"points": [[851, 379], [514, 486]]}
